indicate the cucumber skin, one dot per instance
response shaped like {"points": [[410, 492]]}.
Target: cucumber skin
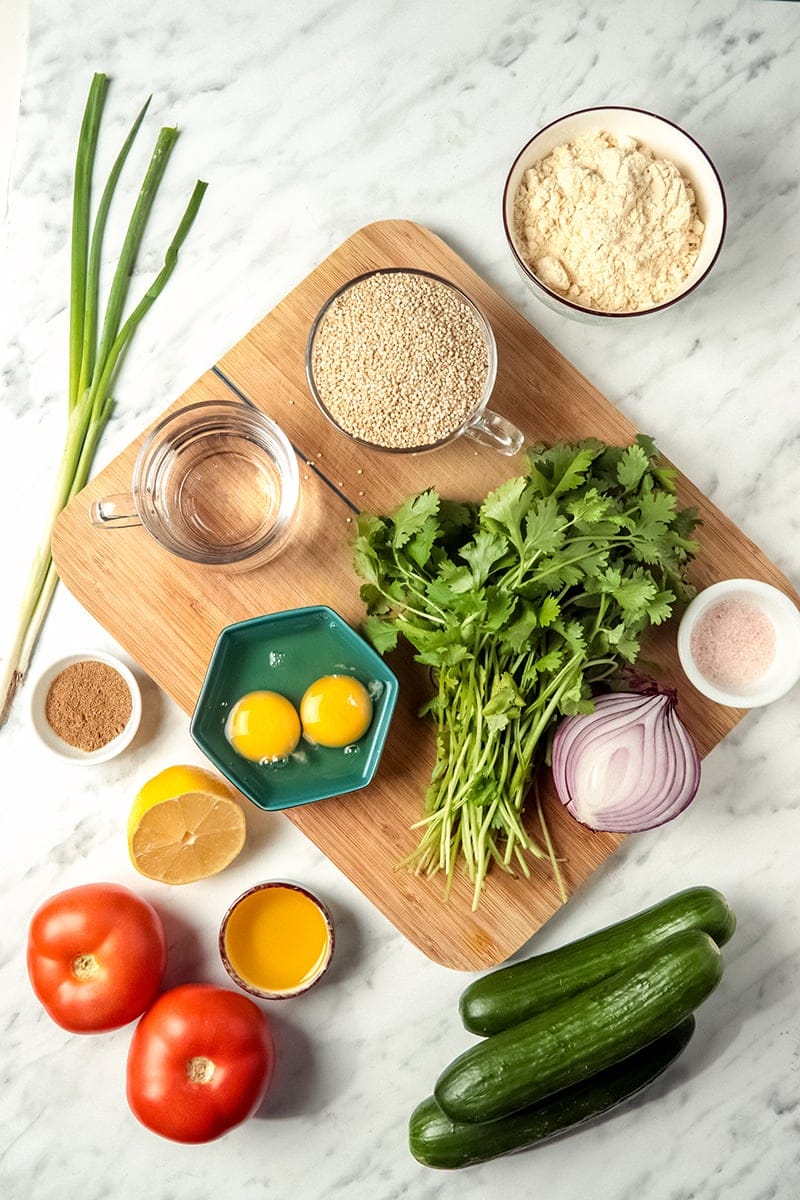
{"points": [[437, 1141], [583, 1035], [512, 994]]}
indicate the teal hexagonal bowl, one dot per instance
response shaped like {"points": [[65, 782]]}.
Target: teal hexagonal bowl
{"points": [[285, 652]]}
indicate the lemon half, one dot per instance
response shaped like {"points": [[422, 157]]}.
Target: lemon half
{"points": [[185, 824]]}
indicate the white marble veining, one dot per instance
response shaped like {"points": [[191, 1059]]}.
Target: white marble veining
{"points": [[310, 119]]}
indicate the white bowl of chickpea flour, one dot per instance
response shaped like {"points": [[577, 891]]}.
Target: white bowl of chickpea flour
{"points": [[612, 213], [403, 361]]}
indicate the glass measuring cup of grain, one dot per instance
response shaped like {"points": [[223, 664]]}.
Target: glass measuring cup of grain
{"points": [[404, 361], [215, 483]]}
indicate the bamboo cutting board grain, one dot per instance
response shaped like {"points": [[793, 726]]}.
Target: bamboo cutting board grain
{"points": [[168, 614]]}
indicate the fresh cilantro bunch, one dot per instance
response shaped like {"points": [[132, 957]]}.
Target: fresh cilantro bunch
{"points": [[520, 606]]}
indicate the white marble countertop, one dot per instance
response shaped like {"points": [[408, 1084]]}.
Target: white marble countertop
{"points": [[309, 120]]}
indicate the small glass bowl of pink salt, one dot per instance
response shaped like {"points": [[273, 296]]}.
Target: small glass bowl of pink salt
{"points": [[739, 643]]}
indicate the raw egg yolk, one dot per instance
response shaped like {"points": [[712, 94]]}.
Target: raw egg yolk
{"points": [[335, 710], [263, 727]]}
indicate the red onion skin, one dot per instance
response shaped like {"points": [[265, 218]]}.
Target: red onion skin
{"points": [[632, 742]]}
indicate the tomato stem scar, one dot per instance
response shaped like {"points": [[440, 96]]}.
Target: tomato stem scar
{"points": [[199, 1069], [85, 966]]}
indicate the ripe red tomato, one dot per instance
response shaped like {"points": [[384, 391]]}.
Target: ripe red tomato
{"points": [[96, 956], [200, 1061]]}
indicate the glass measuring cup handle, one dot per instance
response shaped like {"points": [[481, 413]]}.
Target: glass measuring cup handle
{"points": [[490, 429], [115, 512]]}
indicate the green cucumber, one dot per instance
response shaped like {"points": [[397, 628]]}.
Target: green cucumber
{"points": [[512, 994], [437, 1141], [584, 1034]]}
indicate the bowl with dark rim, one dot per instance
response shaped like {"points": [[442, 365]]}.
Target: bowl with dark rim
{"points": [[667, 141]]}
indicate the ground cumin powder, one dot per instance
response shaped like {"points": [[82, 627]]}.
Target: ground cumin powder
{"points": [[88, 704]]}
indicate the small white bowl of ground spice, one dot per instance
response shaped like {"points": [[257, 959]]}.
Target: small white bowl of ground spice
{"points": [[86, 708], [404, 361], [612, 213], [739, 643]]}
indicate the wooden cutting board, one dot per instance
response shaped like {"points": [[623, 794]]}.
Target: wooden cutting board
{"points": [[168, 614]]}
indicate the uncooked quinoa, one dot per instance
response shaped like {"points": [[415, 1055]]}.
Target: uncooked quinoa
{"points": [[399, 360]]}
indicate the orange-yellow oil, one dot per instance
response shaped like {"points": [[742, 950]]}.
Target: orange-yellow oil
{"points": [[277, 939]]}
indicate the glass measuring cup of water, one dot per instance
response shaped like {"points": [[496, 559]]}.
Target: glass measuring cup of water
{"points": [[215, 483]]}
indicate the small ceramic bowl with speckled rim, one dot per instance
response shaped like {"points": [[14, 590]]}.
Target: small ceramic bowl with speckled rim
{"points": [[762, 642], [48, 735], [276, 940], [667, 141]]}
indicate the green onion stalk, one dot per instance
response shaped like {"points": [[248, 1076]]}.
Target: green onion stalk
{"points": [[95, 348]]}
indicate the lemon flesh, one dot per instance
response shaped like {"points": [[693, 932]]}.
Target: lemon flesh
{"points": [[185, 825]]}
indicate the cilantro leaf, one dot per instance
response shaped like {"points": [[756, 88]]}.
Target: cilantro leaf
{"points": [[412, 515], [505, 508], [538, 665], [382, 634], [373, 599], [549, 611], [561, 468], [482, 553], [660, 607], [570, 474], [370, 527], [544, 526], [455, 514], [573, 634], [631, 467], [499, 605], [420, 545], [655, 512], [587, 508], [366, 562], [647, 444], [635, 592], [518, 633]]}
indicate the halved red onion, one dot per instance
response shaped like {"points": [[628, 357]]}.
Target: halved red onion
{"points": [[629, 765]]}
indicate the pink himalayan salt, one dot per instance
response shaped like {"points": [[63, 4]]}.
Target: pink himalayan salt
{"points": [[733, 643]]}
